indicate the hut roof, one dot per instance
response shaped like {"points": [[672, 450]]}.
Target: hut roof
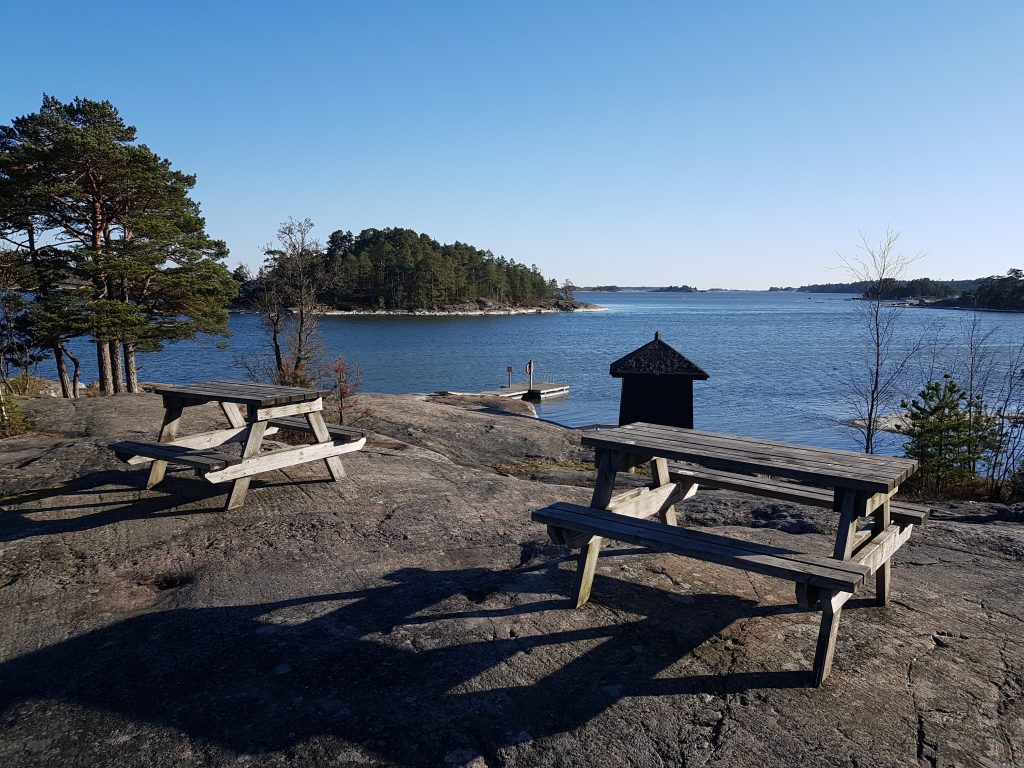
{"points": [[656, 358]]}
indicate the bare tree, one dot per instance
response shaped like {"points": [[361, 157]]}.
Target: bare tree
{"points": [[1005, 406], [287, 298], [876, 384]]}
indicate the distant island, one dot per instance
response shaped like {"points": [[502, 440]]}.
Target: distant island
{"points": [[400, 270], [997, 292], [675, 289]]}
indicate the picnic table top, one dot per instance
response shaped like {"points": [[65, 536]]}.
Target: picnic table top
{"points": [[821, 466], [242, 392]]}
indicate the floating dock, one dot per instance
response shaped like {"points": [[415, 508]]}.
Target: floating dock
{"points": [[541, 390]]}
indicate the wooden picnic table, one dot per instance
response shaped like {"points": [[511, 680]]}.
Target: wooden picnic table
{"points": [[858, 487], [267, 409]]}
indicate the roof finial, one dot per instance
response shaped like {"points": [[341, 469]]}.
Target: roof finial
{"points": [[657, 335]]}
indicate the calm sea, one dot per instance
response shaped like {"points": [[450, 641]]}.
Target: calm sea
{"points": [[775, 359]]}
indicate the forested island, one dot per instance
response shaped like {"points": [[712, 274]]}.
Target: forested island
{"points": [[674, 289], [998, 292], [399, 269]]}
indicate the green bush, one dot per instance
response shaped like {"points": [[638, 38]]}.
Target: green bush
{"points": [[12, 420], [950, 435]]}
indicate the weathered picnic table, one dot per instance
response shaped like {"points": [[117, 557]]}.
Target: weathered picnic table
{"points": [[858, 487], [268, 409]]}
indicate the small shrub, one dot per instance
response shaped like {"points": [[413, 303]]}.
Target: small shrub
{"points": [[346, 380], [12, 420], [1017, 483]]}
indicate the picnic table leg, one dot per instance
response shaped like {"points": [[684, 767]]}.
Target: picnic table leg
{"points": [[239, 487], [659, 474], [168, 431], [585, 570], [607, 467], [827, 633], [883, 576], [234, 415], [844, 503], [316, 423]]}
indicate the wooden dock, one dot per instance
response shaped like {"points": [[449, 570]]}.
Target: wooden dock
{"points": [[541, 390]]}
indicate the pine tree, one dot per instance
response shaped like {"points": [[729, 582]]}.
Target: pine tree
{"points": [[126, 230], [949, 434]]}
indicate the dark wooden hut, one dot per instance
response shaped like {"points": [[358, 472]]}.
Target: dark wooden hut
{"points": [[657, 385]]}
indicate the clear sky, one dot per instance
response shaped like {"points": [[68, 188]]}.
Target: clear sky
{"points": [[719, 144]]}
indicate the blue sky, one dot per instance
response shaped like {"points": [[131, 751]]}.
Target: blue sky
{"points": [[732, 144]]}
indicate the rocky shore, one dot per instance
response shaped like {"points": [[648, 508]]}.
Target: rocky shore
{"points": [[480, 307], [413, 615]]}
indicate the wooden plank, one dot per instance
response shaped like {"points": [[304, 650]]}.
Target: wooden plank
{"points": [[802, 467], [168, 431], [283, 394], [761, 448], [293, 409], [288, 457], [826, 466], [607, 468], [316, 423], [731, 461], [204, 440], [646, 503], [660, 477], [199, 458], [233, 414], [880, 550], [827, 563], [729, 552], [240, 487], [336, 431], [242, 392], [845, 505], [825, 649], [901, 512], [638, 503], [880, 519], [692, 437], [585, 569], [860, 538]]}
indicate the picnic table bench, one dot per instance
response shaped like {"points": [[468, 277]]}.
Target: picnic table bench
{"points": [[858, 487], [268, 410]]}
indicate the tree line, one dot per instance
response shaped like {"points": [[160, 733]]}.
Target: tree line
{"points": [[99, 239], [997, 292], [400, 269]]}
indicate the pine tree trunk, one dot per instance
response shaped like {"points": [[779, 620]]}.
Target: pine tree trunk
{"points": [[76, 376], [106, 374], [62, 371], [117, 368], [131, 367]]}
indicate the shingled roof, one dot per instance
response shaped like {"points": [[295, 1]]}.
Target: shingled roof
{"points": [[656, 358]]}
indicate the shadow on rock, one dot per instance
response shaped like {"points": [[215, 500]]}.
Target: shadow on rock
{"points": [[376, 668], [167, 500]]}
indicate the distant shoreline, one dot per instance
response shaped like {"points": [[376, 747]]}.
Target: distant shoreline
{"points": [[464, 312], [490, 311]]}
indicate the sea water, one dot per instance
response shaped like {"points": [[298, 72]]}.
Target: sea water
{"points": [[776, 360]]}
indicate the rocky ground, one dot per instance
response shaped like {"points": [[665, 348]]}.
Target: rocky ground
{"points": [[412, 615]]}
